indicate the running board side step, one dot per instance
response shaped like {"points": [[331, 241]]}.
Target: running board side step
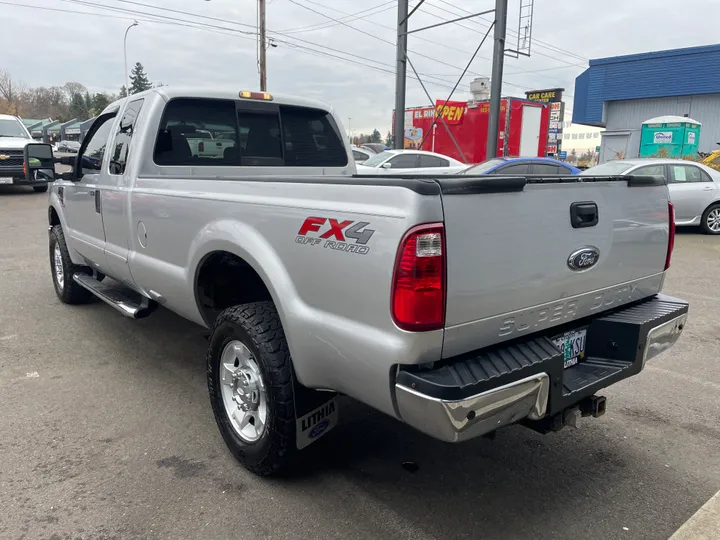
{"points": [[126, 301]]}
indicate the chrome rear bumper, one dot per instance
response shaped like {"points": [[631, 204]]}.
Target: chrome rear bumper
{"points": [[455, 421], [526, 380]]}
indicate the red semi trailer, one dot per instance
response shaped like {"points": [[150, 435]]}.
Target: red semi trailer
{"points": [[523, 129]]}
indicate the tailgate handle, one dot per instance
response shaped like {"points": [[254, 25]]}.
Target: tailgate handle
{"points": [[583, 214]]}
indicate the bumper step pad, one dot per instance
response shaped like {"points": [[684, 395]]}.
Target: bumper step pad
{"points": [[615, 350]]}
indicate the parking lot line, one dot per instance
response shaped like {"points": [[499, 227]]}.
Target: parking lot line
{"points": [[704, 524]]}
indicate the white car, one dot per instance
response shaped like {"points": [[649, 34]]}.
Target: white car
{"points": [[410, 162], [361, 155], [694, 188]]}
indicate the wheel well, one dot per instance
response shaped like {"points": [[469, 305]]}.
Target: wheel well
{"points": [[53, 217], [225, 280]]}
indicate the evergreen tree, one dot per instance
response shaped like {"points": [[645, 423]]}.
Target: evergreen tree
{"points": [[389, 140], [138, 79], [77, 107], [375, 137], [123, 92]]}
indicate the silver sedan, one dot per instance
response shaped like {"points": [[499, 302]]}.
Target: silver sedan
{"points": [[694, 188]]}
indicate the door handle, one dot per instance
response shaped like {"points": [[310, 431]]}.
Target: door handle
{"points": [[583, 214], [708, 188], [97, 201]]}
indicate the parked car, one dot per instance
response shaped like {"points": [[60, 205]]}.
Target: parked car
{"points": [[68, 146], [14, 137], [409, 294], [694, 187], [521, 166], [376, 148], [410, 162], [361, 155]]}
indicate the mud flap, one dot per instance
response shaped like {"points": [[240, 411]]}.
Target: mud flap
{"points": [[316, 413]]}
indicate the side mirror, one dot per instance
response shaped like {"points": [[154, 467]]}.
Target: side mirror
{"points": [[386, 165], [38, 160]]}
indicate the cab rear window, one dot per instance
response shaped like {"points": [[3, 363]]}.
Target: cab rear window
{"points": [[213, 132]]}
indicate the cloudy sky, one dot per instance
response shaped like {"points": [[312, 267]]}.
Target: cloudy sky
{"points": [[348, 62]]}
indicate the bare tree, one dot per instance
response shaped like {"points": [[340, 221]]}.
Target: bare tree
{"points": [[11, 93]]}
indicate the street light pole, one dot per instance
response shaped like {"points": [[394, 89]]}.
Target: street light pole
{"points": [[127, 84], [263, 48]]}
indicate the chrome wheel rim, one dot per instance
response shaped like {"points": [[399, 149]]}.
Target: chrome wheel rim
{"points": [[713, 220], [244, 393], [58, 265]]}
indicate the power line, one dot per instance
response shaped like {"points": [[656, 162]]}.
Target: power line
{"points": [[350, 16], [392, 43], [543, 44], [358, 60]]}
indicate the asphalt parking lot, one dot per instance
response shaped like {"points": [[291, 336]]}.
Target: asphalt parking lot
{"points": [[107, 433]]}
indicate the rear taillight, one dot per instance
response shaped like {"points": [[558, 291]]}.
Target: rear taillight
{"points": [[671, 236], [201, 146], [418, 289]]}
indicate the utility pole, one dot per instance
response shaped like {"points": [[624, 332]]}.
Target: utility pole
{"points": [[497, 77], [400, 74], [263, 48]]}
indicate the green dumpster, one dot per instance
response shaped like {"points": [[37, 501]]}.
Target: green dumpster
{"points": [[672, 136]]}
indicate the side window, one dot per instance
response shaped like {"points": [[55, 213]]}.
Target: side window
{"points": [[685, 173], [123, 137], [650, 170], [546, 168], [311, 138], [512, 170], [359, 156], [404, 161], [433, 161], [186, 129], [94, 146]]}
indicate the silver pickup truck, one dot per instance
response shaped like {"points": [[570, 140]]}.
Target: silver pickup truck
{"points": [[455, 304]]}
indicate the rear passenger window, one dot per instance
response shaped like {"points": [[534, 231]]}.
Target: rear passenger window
{"points": [[433, 161], [512, 170], [224, 132], [118, 160], [547, 168]]}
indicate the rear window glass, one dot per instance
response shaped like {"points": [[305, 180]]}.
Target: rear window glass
{"points": [[224, 132], [608, 169]]}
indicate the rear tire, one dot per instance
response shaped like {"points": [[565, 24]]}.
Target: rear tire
{"points": [[40, 189], [62, 270], [248, 355], [710, 222]]}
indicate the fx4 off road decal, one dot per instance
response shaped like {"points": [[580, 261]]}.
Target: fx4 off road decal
{"points": [[340, 235]]}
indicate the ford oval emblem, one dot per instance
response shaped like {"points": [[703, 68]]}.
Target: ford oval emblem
{"points": [[319, 429], [584, 258]]}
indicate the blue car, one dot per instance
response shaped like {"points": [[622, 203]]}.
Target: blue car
{"points": [[521, 166]]}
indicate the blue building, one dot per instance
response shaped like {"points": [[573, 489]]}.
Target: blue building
{"points": [[621, 92]]}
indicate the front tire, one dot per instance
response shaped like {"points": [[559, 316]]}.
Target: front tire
{"points": [[62, 269], [710, 223], [250, 380], [41, 189]]}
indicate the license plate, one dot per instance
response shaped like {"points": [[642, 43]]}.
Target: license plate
{"points": [[572, 345], [5, 180]]}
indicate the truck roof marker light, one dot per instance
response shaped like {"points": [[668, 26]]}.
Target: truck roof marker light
{"points": [[256, 95], [418, 286]]}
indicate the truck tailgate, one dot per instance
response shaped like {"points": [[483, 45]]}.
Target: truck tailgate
{"points": [[517, 265]]}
